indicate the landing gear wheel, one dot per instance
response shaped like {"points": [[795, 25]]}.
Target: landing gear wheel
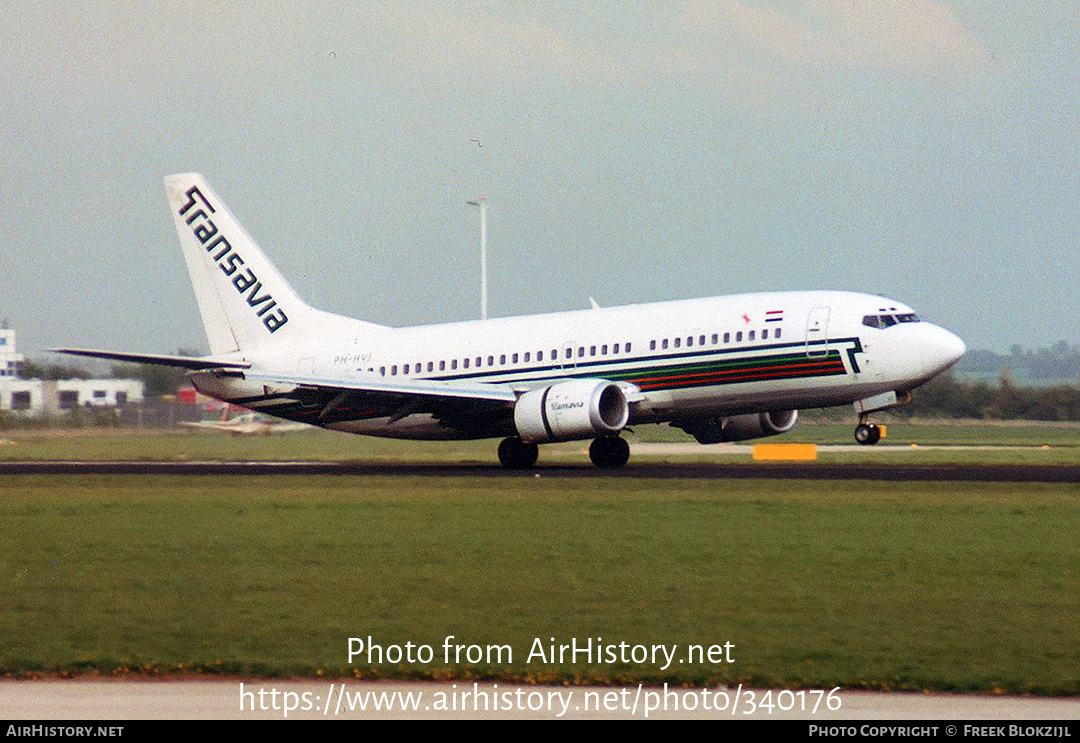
{"points": [[515, 454], [867, 434], [609, 451]]}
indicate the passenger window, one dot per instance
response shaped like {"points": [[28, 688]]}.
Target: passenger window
{"points": [[727, 337], [751, 336], [652, 345], [663, 344], [738, 336]]}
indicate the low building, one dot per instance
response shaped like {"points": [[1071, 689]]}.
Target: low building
{"points": [[66, 394], [36, 396], [22, 395]]}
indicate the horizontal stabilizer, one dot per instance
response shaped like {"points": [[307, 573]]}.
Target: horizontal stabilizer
{"points": [[195, 363]]}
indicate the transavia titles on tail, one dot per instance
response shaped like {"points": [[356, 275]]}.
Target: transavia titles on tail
{"points": [[722, 368]]}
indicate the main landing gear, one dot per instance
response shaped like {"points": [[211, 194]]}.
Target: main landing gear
{"points": [[867, 433], [609, 451], [515, 454], [605, 451]]}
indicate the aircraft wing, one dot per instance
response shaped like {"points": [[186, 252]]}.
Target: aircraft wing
{"points": [[473, 407], [467, 407], [403, 386]]}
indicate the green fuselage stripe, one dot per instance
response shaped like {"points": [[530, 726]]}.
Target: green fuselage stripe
{"points": [[788, 366]]}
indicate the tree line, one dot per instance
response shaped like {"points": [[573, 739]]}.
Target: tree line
{"points": [[1058, 364], [953, 396]]}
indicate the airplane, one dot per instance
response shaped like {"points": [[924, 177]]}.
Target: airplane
{"points": [[727, 368], [248, 423]]}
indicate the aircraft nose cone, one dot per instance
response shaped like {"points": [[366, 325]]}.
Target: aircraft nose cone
{"points": [[940, 349]]}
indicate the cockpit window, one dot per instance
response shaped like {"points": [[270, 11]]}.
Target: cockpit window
{"points": [[886, 320]]}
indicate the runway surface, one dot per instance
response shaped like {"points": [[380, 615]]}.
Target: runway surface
{"points": [[1066, 473]]}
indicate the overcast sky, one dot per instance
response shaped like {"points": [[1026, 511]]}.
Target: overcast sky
{"points": [[925, 150]]}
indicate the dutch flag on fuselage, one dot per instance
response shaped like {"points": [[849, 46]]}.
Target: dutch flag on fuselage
{"points": [[774, 315]]}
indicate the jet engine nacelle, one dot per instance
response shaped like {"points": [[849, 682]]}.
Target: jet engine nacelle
{"points": [[576, 409], [740, 427]]}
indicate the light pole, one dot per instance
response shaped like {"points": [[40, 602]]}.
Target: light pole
{"points": [[483, 254]]}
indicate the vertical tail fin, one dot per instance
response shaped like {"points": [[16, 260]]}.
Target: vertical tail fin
{"points": [[244, 301]]}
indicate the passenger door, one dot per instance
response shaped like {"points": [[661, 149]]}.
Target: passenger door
{"points": [[817, 333]]}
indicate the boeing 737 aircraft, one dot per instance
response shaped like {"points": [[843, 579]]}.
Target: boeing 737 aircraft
{"points": [[721, 369]]}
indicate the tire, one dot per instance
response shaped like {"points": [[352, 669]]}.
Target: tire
{"points": [[609, 451], [867, 434], [515, 454]]}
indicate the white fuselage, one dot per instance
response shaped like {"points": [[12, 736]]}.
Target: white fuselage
{"points": [[716, 356]]}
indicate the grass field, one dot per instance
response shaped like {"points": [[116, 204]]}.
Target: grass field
{"points": [[815, 584]]}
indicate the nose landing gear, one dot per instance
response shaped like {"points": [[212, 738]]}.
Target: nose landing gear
{"points": [[867, 433]]}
